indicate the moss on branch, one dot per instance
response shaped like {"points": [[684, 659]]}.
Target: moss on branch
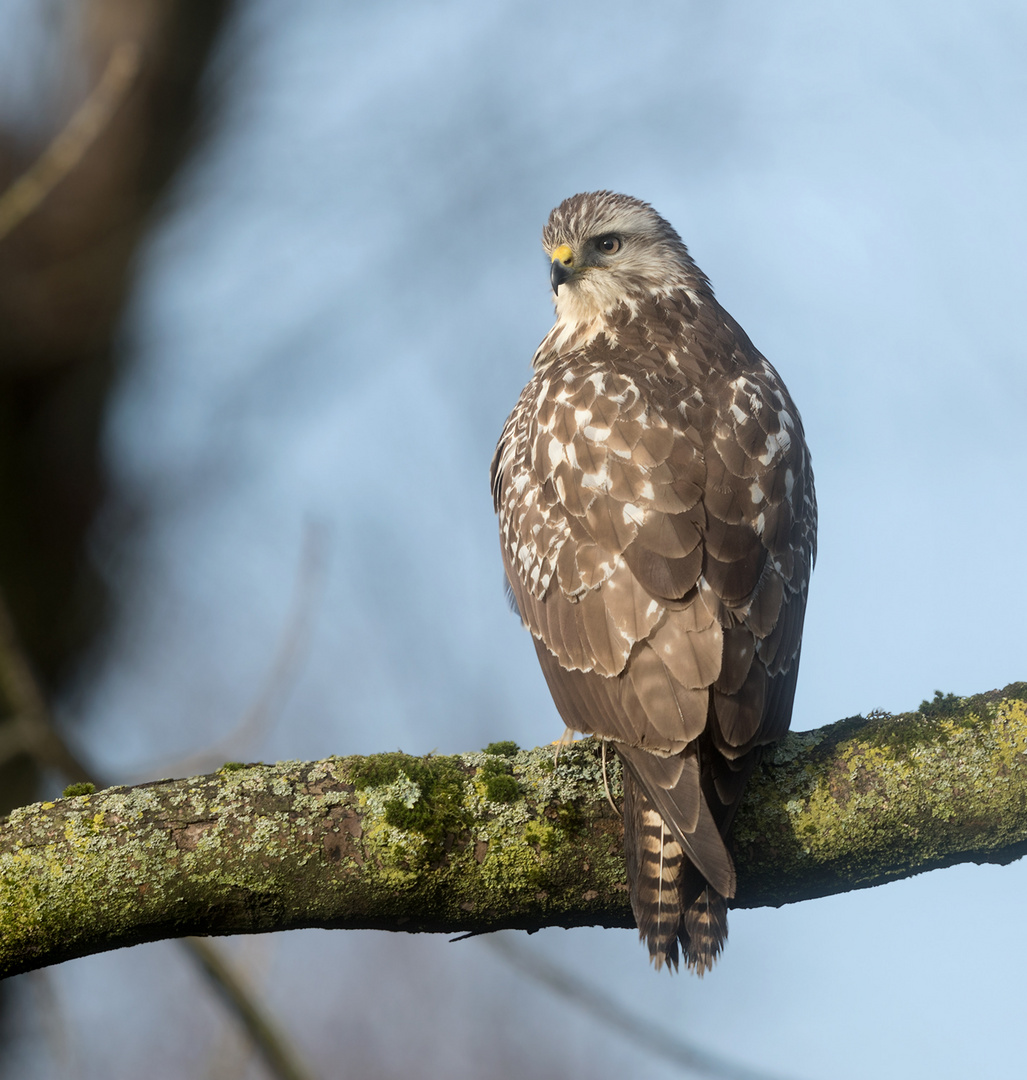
{"points": [[866, 801], [496, 839]]}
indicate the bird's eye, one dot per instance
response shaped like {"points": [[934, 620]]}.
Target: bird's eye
{"points": [[608, 245]]}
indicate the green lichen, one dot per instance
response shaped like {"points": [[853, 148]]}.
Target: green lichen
{"points": [[231, 766], [425, 796], [514, 866], [907, 733], [571, 817], [792, 745], [940, 703], [497, 775], [542, 835], [377, 770], [503, 789], [885, 797], [505, 748], [72, 791]]}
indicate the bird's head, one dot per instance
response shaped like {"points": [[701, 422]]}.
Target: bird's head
{"points": [[606, 249]]}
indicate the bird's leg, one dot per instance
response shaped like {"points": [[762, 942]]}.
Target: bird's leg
{"points": [[565, 739], [606, 783]]}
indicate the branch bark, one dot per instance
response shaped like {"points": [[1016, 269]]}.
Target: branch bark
{"points": [[497, 839]]}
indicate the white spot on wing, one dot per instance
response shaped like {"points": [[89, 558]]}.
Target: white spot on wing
{"points": [[775, 444], [556, 453], [633, 513], [596, 481]]}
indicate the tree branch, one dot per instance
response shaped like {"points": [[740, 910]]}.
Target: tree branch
{"points": [[68, 148], [497, 839], [34, 732]]}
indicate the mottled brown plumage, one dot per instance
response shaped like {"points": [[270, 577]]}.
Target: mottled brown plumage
{"points": [[658, 523]]}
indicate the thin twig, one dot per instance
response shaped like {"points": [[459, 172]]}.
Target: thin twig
{"points": [[53, 1022], [614, 1014], [279, 1056], [232, 1057], [29, 718], [71, 144], [12, 741], [258, 718]]}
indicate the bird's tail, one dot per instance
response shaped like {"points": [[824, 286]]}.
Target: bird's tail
{"points": [[705, 924], [667, 910]]}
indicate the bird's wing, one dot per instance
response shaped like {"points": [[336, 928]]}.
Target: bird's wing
{"points": [[601, 517], [759, 546]]}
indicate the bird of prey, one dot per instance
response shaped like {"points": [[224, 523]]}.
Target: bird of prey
{"points": [[658, 528]]}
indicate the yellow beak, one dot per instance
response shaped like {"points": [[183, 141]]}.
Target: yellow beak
{"points": [[562, 267]]}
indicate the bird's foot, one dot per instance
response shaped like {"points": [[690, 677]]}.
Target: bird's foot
{"points": [[568, 736]]}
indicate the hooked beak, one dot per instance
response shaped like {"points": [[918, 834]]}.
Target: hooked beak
{"points": [[562, 267]]}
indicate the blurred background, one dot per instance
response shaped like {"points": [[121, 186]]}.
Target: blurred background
{"points": [[262, 315]]}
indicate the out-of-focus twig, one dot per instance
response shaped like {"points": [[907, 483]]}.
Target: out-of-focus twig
{"points": [[54, 1025], [32, 722], [231, 1058], [281, 674], [68, 148], [278, 1055], [29, 721], [12, 742], [614, 1014]]}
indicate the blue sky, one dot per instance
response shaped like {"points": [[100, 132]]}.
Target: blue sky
{"points": [[331, 322]]}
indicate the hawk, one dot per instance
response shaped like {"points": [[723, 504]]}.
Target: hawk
{"points": [[658, 528]]}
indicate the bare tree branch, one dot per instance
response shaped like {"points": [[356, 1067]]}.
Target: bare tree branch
{"points": [[67, 149], [492, 840], [616, 1015], [31, 729], [281, 672], [280, 1057]]}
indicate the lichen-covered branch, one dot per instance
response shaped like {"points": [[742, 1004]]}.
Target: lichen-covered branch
{"points": [[495, 839]]}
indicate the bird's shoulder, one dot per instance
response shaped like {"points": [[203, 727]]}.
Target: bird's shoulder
{"points": [[652, 392]]}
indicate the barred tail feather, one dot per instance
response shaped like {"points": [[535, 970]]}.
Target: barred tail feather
{"points": [[655, 893], [658, 871], [705, 930]]}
